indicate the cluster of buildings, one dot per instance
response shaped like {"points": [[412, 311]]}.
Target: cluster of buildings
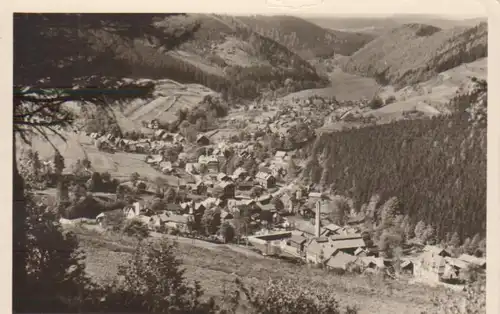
{"points": [[346, 249]]}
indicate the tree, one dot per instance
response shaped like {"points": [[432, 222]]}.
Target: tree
{"points": [[407, 227], [278, 203], [170, 195], [54, 64], [420, 229], [429, 234], [455, 241], [95, 182], [54, 281], [210, 221], [292, 170], [390, 243], [134, 177], [135, 228], [227, 232], [465, 246], [154, 282], [376, 102], [474, 244]]}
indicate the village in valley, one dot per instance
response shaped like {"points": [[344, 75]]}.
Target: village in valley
{"points": [[230, 186], [250, 159]]}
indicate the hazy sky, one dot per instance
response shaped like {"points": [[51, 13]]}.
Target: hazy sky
{"points": [[473, 8]]}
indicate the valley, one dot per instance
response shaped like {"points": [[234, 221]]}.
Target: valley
{"points": [[342, 157]]}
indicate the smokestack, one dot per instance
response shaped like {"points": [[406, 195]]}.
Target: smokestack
{"points": [[317, 222]]}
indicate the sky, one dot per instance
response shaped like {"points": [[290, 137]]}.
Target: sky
{"points": [[451, 8]]}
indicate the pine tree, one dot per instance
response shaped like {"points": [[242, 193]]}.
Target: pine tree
{"points": [[455, 240], [482, 247], [420, 229], [465, 246], [474, 244], [429, 235], [407, 227]]}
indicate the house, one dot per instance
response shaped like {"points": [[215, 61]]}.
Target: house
{"points": [[202, 140], [169, 137], [360, 252], [332, 229], [228, 189], [223, 177], [266, 180], [280, 155], [267, 207], [139, 207], [319, 250], [469, 259], [356, 220], [436, 250], [154, 124], [240, 173], [173, 207], [429, 267], [166, 166], [265, 199], [371, 262], [159, 220], [297, 242], [340, 261], [245, 186], [159, 133], [191, 168], [406, 266], [179, 222], [211, 162], [348, 243], [315, 195], [129, 212], [178, 138]]}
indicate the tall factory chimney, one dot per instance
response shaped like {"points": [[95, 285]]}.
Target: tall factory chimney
{"points": [[317, 223]]}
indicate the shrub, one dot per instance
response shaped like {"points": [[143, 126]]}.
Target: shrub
{"points": [[135, 228], [288, 297], [390, 99], [473, 302], [376, 102]]}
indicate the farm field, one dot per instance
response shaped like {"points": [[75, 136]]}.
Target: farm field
{"points": [[120, 165], [344, 87]]}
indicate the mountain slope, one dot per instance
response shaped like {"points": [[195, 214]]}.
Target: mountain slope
{"points": [[224, 55], [416, 52], [379, 25], [306, 38]]}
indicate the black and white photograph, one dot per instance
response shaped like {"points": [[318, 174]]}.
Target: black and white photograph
{"points": [[298, 162]]}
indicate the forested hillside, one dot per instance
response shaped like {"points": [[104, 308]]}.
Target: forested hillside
{"points": [[436, 167], [415, 52], [306, 38], [206, 59]]}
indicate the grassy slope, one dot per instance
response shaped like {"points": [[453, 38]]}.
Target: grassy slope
{"points": [[310, 39], [120, 165], [345, 86], [415, 52], [434, 94], [217, 267], [170, 97]]}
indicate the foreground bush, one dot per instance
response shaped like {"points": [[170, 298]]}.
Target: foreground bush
{"points": [[473, 301], [291, 298]]}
